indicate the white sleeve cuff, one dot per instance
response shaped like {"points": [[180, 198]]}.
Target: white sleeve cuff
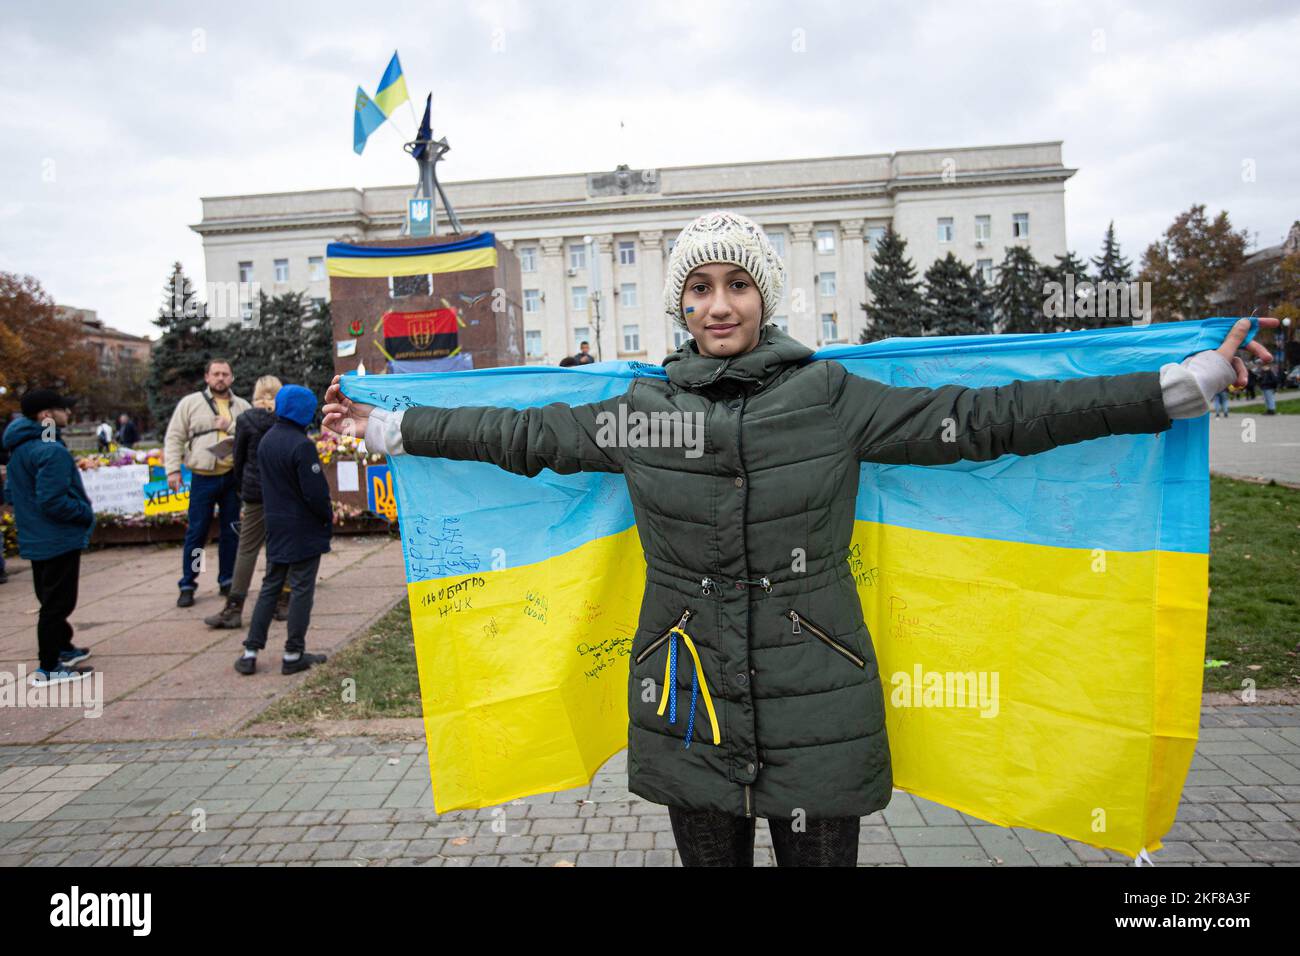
{"points": [[384, 432], [1188, 387]]}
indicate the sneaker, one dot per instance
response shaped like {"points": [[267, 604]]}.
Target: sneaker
{"points": [[246, 665], [303, 662], [60, 675], [186, 599], [73, 655], [4, 578]]}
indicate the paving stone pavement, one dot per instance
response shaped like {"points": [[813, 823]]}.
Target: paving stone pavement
{"points": [[1273, 450], [160, 670], [367, 802]]}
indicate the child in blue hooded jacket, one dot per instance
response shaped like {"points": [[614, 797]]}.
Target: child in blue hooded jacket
{"points": [[299, 518]]}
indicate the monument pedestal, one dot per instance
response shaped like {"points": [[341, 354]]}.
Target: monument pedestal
{"points": [[426, 304]]}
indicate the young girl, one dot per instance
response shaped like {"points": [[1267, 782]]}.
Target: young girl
{"points": [[782, 713]]}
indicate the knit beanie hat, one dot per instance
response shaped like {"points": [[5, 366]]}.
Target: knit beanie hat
{"points": [[722, 236]]}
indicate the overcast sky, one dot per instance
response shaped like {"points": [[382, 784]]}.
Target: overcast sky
{"points": [[116, 117]]}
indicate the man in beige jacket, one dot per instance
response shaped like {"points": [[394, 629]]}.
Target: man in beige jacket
{"points": [[200, 436]]}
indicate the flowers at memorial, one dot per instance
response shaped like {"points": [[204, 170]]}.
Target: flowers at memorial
{"points": [[113, 519], [8, 533], [117, 458], [343, 448]]}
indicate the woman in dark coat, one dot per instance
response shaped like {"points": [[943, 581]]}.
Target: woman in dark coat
{"points": [[780, 658]]}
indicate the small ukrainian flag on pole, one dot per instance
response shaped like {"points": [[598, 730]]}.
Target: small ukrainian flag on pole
{"points": [[391, 91]]}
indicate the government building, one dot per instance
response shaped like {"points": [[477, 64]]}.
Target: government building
{"points": [[593, 246]]}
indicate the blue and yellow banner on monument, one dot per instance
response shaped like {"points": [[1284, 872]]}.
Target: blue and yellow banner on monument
{"points": [[1078, 578], [368, 262]]}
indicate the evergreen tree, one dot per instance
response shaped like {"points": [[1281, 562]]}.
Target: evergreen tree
{"points": [[1111, 266], [177, 361], [290, 339], [1070, 273], [896, 306], [954, 299], [318, 352], [1018, 294]]}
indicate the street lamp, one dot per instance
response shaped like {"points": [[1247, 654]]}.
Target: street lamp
{"points": [[594, 295]]}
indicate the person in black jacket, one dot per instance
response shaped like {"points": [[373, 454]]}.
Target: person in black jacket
{"points": [[1268, 384], [299, 519], [127, 432], [249, 429]]}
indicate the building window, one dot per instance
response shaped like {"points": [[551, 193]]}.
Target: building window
{"points": [[245, 272], [777, 239], [825, 240], [830, 331], [399, 287], [874, 237], [631, 338], [318, 304], [627, 253], [579, 298], [316, 268], [669, 247], [532, 300], [945, 229], [983, 228], [627, 295], [533, 343], [680, 337], [826, 283], [281, 270], [527, 258], [577, 256], [581, 334], [1020, 225], [246, 311], [985, 269], [782, 323]]}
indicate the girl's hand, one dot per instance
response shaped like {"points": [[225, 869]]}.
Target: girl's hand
{"points": [[342, 415], [1233, 342]]}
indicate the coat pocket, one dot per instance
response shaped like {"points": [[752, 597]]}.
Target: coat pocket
{"points": [[801, 624], [662, 639]]}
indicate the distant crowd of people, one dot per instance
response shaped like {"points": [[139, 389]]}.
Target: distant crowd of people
{"points": [[253, 467], [1263, 376]]}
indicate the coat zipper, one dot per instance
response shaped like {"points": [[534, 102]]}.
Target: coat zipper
{"points": [[748, 811], [659, 641], [825, 638]]}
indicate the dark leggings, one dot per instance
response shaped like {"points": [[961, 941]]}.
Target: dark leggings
{"points": [[714, 838]]}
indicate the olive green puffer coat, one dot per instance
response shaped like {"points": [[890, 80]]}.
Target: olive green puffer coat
{"points": [[785, 655]]}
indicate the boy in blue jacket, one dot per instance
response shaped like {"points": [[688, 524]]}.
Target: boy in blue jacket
{"points": [[299, 520], [54, 520]]}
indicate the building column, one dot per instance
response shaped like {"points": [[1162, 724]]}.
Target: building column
{"points": [[803, 285], [656, 327], [611, 338], [851, 284], [555, 307]]}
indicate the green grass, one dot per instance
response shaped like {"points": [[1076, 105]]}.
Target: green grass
{"points": [[1254, 620], [1287, 406], [383, 665]]}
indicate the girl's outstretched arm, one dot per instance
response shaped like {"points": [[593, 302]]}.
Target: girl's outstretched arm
{"points": [[933, 426], [563, 438]]}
